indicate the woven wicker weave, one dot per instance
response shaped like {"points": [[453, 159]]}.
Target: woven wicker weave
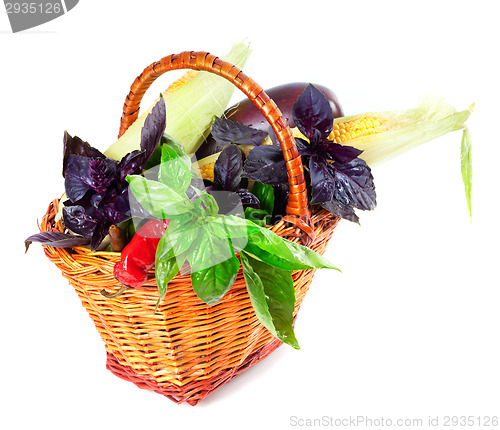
{"points": [[187, 349]]}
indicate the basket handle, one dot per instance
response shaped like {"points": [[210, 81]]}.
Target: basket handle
{"points": [[297, 207]]}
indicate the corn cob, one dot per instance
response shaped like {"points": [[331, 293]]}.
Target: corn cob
{"points": [[357, 127], [385, 135]]}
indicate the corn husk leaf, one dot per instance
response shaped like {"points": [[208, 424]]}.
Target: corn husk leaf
{"points": [[466, 167], [401, 131], [404, 130]]}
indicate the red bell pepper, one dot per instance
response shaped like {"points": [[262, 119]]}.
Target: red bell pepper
{"points": [[138, 257]]}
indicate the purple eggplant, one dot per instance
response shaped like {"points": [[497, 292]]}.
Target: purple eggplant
{"points": [[284, 96], [246, 113]]}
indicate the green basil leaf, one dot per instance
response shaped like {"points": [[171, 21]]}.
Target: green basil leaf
{"points": [[174, 172], [237, 234], [274, 259], [207, 202], [158, 199], [255, 289], [177, 239], [214, 265], [265, 194], [299, 257], [272, 295], [258, 216], [165, 271], [212, 283], [210, 250], [177, 147], [172, 249]]}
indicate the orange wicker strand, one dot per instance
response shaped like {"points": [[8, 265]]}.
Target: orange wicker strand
{"points": [[185, 349]]}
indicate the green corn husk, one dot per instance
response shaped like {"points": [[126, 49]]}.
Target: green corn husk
{"points": [[400, 131], [466, 165], [190, 109], [404, 130]]}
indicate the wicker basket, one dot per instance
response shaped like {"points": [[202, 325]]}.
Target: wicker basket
{"points": [[187, 349]]}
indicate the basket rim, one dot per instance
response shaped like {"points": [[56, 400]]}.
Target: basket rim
{"points": [[319, 216]]}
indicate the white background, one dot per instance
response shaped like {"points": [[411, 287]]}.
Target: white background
{"points": [[411, 327]]}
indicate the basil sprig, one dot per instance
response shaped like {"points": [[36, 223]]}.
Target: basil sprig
{"points": [[272, 295], [211, 242]]}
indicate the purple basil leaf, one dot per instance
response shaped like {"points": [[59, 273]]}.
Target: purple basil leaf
{"points": [[96, 199], [56, 239], [76, 146], [102, 173], [247, 198], [228, 168], [132, 164], [101, 226], [312, 111], [341, 210], [153, 129], [266, 164], [354, 184], [100, 232], [78, 221], [342, 154], [84, 202], [119, 209], [209, 147], [83, 174], [303, 147], [226, 131], [322, 180], [77, 180]]}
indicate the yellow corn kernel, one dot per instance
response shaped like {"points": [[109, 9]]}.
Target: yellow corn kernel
{"points": [[207, 171], [179, 83], [205, 166], [354, 128]]}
